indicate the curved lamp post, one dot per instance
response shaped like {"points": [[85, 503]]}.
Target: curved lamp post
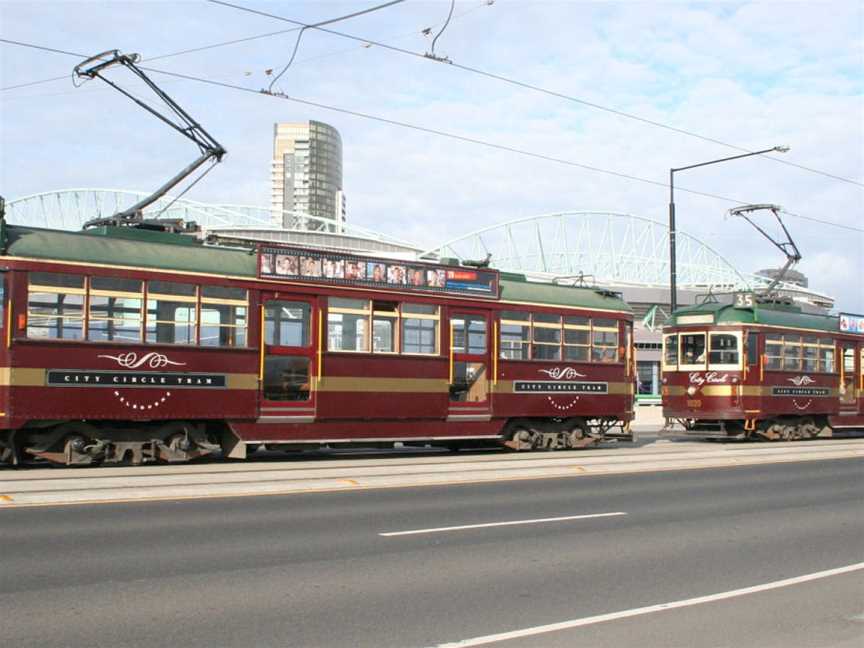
{"points": [[673, 274]]}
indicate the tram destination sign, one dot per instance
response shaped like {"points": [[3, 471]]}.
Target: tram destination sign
{"points": [[291, 264]]}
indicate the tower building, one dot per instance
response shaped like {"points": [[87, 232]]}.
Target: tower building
{"points": [[306, 175]]}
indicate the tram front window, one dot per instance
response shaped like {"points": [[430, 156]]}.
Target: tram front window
{"points": [[693, 350]]}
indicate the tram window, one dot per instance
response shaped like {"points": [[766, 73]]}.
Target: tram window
{"points": [[546, 337], [670, 353], [115, 309], [752, 349], [774, 352], [2, 302], [172, 310], [724, 349], [348, 324], [420, 328], [692, 350], [286, 323], [469, 334], [223, 316], [792, 353], [515, 335], [469, 382], [577, 339], [286, 378], [810, 353], [385, 318], [604, 340], [826, 355], [55, 306]]}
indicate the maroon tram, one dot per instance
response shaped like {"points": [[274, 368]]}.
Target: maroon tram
{"points": [[120, 344], [763, 370]]}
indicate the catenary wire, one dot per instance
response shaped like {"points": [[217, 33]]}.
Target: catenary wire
{"points": [[454, 136], [329, 21], [535, 88], [485, 143]]}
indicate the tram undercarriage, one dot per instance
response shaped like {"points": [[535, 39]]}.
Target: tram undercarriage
{"points": [[91, 443], [781, 428]]}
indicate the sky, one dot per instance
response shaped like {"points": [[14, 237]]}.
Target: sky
{"points": [[754, 75]]}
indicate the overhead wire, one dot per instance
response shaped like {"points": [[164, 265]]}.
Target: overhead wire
{"points": [[329, 21], [462, 138], [480, 142], [535, 88]]}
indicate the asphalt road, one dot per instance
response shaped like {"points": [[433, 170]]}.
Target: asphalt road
{"points": [[314, 569]]}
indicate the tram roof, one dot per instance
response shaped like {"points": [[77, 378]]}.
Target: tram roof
{"points": [[136, 248], [769, 314]]}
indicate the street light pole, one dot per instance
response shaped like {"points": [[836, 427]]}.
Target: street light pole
{"points": [[673, 273]]}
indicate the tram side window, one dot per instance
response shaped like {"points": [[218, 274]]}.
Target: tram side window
{"points": [[469, 382], [286, 378], [692, 350], [286, 324], [604, 340], [348, 324], [515, 335], [115, 313], [792, 352], [420, 328], [577, 338], [385, 323], [724, 349], [171, 312], [546, 337], [55, 306], [670, 352], [223, 316], [2, 302], [752, 349]]}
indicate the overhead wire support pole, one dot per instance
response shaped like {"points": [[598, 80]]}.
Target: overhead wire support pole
{"points": [[208, 146]]}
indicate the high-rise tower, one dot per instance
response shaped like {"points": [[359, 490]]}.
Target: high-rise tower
{"points": [[307, 174]]}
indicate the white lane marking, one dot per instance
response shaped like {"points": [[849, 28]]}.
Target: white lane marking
{"points": [[486, 525], [600, 618]]}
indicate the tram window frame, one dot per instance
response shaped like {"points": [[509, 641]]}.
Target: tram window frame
{"points": [[385, 313], [670, 343], [546, 337], [463, 338], [358, 310], [273, 323], [115, 295], [600, 352], [786, 352], [416, 317], [231, 305], [575, 333], [683, 337], [576, 340], [60, 286], [723, 353], [183, 299], [752, 348]]}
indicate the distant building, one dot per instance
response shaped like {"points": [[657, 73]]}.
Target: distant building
{"points": [[791, 276], [307, 175]]}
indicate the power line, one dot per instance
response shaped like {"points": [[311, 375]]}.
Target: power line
{"points": [[485, 143], [329, 22], [453, 136], [535, 88]]}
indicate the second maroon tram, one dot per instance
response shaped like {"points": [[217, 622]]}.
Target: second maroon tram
{"points": [[763, 370], [120, 344]]}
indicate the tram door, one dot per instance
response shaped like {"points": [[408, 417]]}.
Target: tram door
{"points": [[289, 359], [849, 371], [470, 366]]}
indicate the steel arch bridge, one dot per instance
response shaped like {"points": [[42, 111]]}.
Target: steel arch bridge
{"points": [[69, 209], [611, 248]]}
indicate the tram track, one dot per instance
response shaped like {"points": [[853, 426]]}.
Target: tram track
{"points": [[47, 487]]}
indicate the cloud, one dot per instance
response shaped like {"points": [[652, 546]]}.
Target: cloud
{"points": [[742, 73]]}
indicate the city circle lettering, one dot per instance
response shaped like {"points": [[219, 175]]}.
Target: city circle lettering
{"points": [[62, 378]]}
